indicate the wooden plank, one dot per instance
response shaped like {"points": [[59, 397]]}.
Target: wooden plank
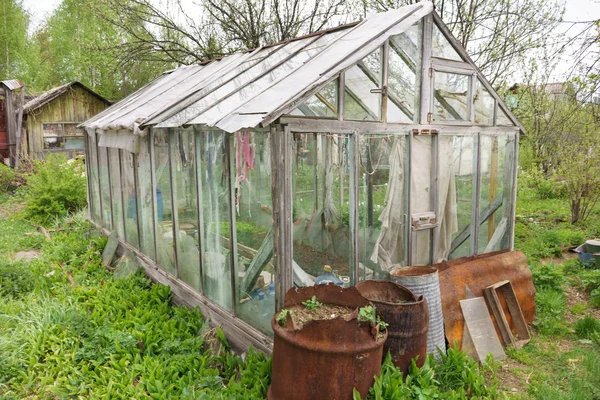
{"points": [[481, 329], [260, 259], [485, 214]]}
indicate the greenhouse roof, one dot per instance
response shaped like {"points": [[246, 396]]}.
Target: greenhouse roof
{"points": [[254, 88]]}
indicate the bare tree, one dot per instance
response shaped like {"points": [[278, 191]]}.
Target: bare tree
{"points": [[220, 27], [497, 33]]}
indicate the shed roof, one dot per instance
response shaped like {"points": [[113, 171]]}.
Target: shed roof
{"points": [[12, 84], [54, 93], [253, 88]]}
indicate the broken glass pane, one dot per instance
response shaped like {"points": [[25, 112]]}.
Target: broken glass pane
{"points": [[404, 76], [450, 97], [484, 105], [359, 102], [441, 47]]}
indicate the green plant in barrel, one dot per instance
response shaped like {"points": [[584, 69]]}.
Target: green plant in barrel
{"points": [[312, 304]]}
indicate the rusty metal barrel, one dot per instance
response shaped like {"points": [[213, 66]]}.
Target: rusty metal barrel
{"points": [[408, 320], [424, 281], [324, 359]]}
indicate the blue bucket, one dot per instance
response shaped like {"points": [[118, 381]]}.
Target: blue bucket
{"points": [[584, 257]]}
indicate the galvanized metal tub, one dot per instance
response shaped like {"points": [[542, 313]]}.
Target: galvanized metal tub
{"points": [[408, 319], [424, 281], [324, 359]]}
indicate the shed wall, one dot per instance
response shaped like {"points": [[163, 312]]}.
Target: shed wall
{"points": [[76, 105]]}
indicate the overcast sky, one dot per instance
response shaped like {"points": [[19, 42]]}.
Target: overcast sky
{"points": [[576, 11]]}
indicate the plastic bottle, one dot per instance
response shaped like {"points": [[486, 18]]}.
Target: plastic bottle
{"points": [[328, 277]]}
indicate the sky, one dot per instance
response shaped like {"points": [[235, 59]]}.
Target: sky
{"points": [[576, 11]]}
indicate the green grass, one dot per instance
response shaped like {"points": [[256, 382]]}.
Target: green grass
{"points": [[69, 329], [562, 361]]}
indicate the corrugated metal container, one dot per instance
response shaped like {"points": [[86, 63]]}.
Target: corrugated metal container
{"points": [[424, 281], [407, 317]]}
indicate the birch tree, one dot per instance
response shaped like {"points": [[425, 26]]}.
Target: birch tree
{"points": [[13, 38]]}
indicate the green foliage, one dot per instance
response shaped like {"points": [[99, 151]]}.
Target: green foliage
{"points": [[312, 303], [7, 178], [591, 281], [457, 376], [550, 310], [16, 279], [545, 188], [587, 327], [548, 277], [366, 314], [68, 329], [14, 21], [282, 317], [56, 188]]}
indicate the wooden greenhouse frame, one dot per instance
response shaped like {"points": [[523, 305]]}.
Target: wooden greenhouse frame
{"points": [[175, 167]]}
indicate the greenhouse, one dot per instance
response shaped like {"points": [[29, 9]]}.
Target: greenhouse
{"points": [[362, 147]]}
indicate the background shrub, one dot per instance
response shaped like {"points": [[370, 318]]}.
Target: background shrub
{"points": [[56, 188], [7, 178]]}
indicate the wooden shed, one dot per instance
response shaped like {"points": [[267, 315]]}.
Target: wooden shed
{"points": [[52, 119]]}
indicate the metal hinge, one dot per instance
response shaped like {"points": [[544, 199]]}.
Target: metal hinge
{"points": [[430, 72], [429, 117], [382, 90]]}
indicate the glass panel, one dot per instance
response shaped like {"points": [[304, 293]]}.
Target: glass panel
{"points": [[255, 280], [74, 143], [322, 104], [484, 105], [94, 179], [502, 118], [461, 172], [53, 136], [164, 240], [441, 47], [184, 181], [216, 265], [105, 188], [129, 197], [383, 203], [497, 155], [144, 203], [251, 82], [359, 102], [320, 195], [404, 75], [450, 97], [115, 181]]}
